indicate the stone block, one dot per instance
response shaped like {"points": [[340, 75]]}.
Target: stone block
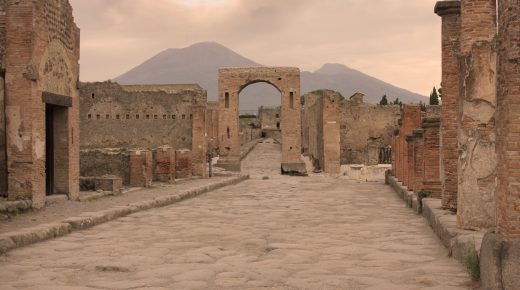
{"points": [[108, 183]]}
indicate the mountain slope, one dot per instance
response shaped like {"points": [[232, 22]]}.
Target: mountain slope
{"points": [[200, 62]]}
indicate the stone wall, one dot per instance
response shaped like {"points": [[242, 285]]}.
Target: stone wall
{"points": [[41, 63], [144, 116], [363, 124], [269, 117]]}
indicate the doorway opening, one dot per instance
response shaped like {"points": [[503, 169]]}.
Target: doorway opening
{"points": [[56, 149]]}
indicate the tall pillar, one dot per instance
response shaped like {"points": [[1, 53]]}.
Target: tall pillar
{"points": [[410, 182], [476, 134], [419, 159], [431, 174], [199, 142], [450, 13], [508, 121]]}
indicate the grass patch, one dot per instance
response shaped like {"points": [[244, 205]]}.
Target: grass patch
{"points": [[472, 263]]}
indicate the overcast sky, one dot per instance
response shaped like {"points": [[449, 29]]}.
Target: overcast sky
{"points": [[397, 41]]}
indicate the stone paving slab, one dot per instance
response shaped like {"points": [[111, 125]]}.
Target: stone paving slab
{"points": [[317, 232], [30, 235]]}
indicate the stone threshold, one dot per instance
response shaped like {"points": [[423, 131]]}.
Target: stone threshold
{"points": [[443, 222], [25, 237]]}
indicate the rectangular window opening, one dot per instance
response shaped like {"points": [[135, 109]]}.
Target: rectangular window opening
{"points": [[291, 100], [226, 100]]}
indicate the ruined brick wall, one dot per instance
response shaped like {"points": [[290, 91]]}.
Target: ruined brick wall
{"points": [[418, 160], [451, 21], [269, 117], [362, 123], [106, 161], [115, 116], [508, 120], [41, 55], [476, 134]]}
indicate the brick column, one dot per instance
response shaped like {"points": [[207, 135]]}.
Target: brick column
{"points": [[183, 163], [199, 142], [450, 13], [395, 152], [419, 159], [165, 164], [140, 168], [508, 121], [410, 182], [410, 122], [476, 135], [431, 174]]}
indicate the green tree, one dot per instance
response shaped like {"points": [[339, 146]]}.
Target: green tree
{"points": [[384, 101], [434, 98], [396, 101]]}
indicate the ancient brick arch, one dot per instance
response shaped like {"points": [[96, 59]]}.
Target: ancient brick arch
{"points": [[287, 81]]}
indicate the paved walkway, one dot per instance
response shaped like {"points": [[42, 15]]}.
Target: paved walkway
{"points": [[281, 233]]}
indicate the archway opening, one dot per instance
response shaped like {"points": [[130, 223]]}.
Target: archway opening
{"points": [[259, 112]]}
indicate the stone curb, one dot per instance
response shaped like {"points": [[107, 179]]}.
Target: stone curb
{"points": [[18, 239], [458, 241], [402, 191], [246, 152]]}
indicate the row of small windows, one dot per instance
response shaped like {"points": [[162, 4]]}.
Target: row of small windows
{"points": [[137, 117]]}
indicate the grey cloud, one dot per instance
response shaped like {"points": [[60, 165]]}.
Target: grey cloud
{"points": [[395, 40]]}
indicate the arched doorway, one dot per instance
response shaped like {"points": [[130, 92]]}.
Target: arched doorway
{"points": [[287, 81]]}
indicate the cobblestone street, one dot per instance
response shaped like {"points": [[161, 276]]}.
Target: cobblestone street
{"points": [[316, 232]]}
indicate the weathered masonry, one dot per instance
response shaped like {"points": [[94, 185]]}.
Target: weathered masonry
{"points": [[39, 121], [348, 132], [287, 81], [321, 136], [366, 130], [126, 128]]}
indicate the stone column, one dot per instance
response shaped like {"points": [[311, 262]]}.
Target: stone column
{"points": [[508, 120], [199, 142], [450, 13], [476, 134]]}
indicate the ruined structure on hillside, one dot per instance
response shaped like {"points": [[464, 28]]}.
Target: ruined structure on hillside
{"points": [[39, 125], [117, 119]]}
